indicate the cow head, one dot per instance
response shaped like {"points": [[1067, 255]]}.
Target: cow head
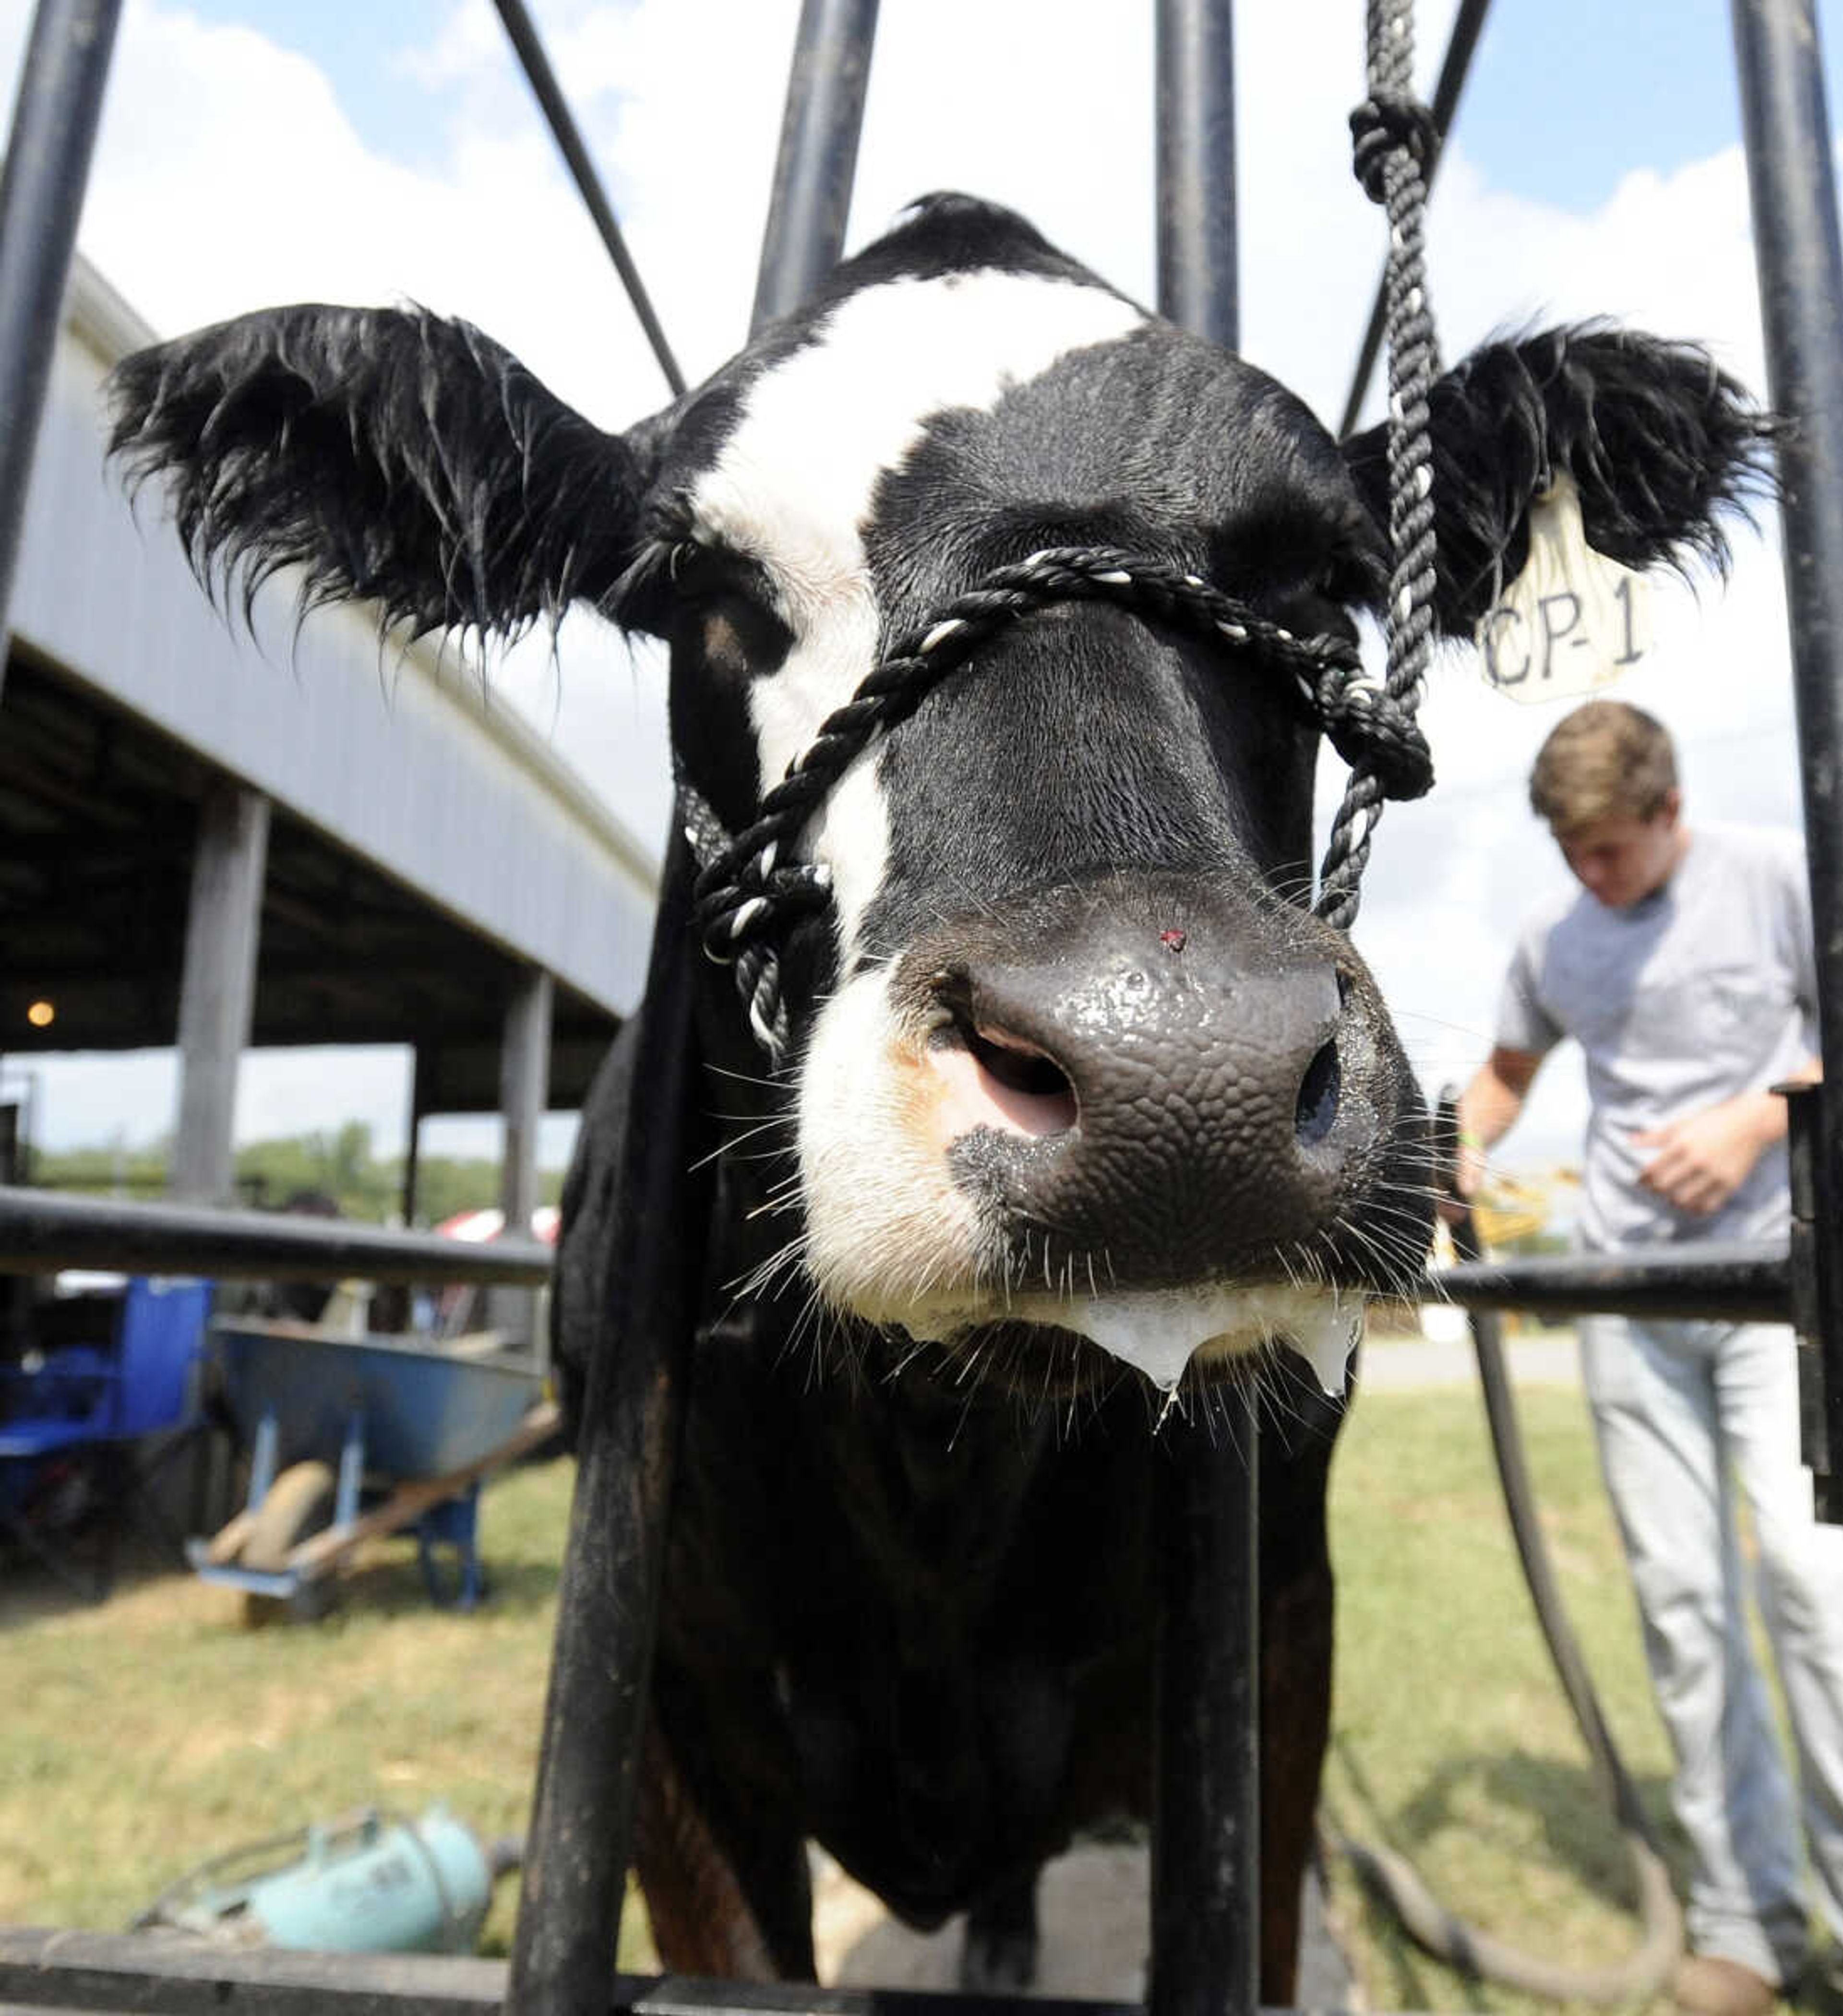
{"points": [[1071, 1057]]}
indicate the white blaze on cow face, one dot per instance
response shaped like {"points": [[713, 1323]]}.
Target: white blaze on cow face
{"points": [[794, 488], [796, 483]]}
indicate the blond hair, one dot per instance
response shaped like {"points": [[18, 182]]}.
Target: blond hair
{"points": [[1604, 761]]}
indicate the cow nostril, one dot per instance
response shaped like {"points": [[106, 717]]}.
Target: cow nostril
{"points": [[1019, 1071], [1316, 1110], [990, 1081], [1040, 1097]]}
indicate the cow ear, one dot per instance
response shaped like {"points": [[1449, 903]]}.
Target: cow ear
{"points": [[1660, 444], [393, 455]]}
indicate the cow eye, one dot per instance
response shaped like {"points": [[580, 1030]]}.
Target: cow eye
{"points": [[723, 608], [694, 567]]}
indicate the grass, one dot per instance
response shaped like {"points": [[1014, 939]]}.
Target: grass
{"points": [[1453, 1742], [143, 1736]]}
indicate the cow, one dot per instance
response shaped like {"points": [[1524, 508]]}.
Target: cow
{"points": [[1061, 1111]]}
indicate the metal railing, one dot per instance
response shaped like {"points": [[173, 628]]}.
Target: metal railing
{"points": [[583, 1817], [41, 1231]]}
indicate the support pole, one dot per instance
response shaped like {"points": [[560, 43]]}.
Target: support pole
{"points": [[217, 989], [1206, 1833], [812, 202], [54, 130], [580, 1836], [1199, 275], [524, 1078], [413, 1144], [1787, 134]]}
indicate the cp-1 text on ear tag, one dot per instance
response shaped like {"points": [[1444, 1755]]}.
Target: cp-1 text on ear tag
{"points": [[1572, 620]]}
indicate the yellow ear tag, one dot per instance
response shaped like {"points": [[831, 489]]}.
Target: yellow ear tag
{"points": [[1572, 620]]}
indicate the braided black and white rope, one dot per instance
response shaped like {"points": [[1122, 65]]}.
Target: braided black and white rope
{"points": [[1394, 144], [748, 887]]}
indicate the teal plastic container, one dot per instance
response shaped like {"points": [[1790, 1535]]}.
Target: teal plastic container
{"points": [[378, 1883]]}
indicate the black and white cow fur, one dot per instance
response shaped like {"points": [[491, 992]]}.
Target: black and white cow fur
{"points": [[1081, 1097]]}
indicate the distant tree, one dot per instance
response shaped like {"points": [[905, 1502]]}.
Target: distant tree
{"points": [[339, 1164]]}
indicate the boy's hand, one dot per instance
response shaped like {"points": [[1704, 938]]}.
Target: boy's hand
{"points": [[1468, 1174], [1703, 1159]]}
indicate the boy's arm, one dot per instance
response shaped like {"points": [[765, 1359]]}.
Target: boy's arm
{"points": [[1488, 1107]]}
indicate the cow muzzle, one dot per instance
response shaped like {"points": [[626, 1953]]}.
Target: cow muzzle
{"points": [[1142, 1106], [1185, 1081]]}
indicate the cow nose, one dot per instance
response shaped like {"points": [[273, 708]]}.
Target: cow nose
{"points": [[1175, 1096], [999, 1076]]}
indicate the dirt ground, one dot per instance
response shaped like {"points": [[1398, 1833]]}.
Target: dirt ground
{"points": [[1094, 1915]]}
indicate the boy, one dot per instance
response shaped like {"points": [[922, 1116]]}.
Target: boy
{"points": [[1684, 968]]}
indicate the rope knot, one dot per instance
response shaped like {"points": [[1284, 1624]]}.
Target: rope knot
{"points": [[1374, 732], [740, 899], [1384, 122]]}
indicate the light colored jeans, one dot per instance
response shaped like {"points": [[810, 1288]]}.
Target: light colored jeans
{"points": [[1684, 1411]]}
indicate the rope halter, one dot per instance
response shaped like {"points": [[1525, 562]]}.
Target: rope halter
{"points": [[747, 887]]}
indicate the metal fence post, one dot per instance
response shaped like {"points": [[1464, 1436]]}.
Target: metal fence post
{"points": [[580, 1836], [54, 130], [1795, 245], [813, 171], [1206, 1836]]}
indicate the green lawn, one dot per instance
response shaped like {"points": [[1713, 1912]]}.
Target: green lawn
{"points": [[1453, 1742], [143, 1736]]}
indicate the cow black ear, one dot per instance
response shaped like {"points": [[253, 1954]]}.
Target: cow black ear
{"points": [[392, 454], [1661, 445]]}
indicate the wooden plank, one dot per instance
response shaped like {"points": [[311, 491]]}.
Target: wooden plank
{"points": [[228, 1542], [323, 1551]]}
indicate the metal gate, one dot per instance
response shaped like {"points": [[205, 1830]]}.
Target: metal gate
{"points": [[1205, 1876]]}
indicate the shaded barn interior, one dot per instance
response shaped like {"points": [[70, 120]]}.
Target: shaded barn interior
{"points": [[99, 816]]}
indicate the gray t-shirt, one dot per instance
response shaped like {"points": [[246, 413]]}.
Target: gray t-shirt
{"points": [[1704, 990]]}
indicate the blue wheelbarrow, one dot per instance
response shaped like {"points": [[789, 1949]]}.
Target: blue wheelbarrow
{"points": [[354, 1438]]}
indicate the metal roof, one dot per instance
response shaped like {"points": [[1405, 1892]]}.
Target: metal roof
{"points": [[426, 844]]}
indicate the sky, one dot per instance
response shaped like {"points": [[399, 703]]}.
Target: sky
{"points": [[255, 152]]}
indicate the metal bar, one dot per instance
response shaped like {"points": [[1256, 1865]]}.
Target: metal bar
{"points": [[44, 1969], [579, 1842], [40, 1232], [1788, 132], [1802, 1108], [1206, 1832], [1198, 280], [55, 118], [813, 171], [1465, 28], [562, 127], [1716, 1282]]}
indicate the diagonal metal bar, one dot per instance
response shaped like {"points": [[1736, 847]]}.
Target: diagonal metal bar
{"points": [[523, 35], [55, 118], [1465, 28]]}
